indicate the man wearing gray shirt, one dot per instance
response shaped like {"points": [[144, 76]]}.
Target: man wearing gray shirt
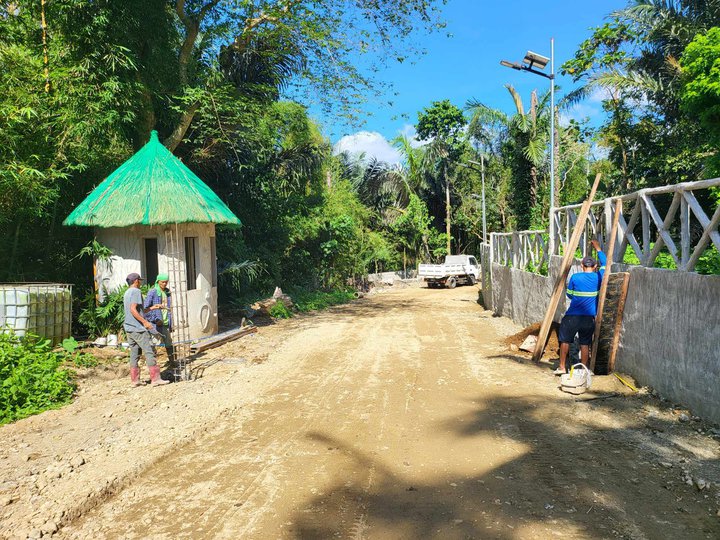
{"points": [[138, 329]]}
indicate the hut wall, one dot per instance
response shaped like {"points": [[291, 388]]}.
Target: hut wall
{"points": [[128, 245]]}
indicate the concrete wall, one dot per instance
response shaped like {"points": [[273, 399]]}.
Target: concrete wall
{"points": [[524, 296], [127, 245], [670, 338], [391, 277]]}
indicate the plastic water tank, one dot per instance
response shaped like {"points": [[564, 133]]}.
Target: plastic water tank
{"points": [[44, 309]]}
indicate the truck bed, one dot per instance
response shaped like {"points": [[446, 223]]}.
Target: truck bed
{"points": [[439, 271]]}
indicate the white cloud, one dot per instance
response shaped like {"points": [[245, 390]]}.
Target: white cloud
{"points": [[372, 143], [600, 94], [409, 131], [579, 112]]}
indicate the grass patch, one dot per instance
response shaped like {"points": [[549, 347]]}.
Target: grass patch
{"points": [[318, 300]]}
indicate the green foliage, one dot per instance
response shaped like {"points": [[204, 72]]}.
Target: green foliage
{"points": [[84, 360], [709, 262], [413, 232], [443, 121], [535, 269], [70, 344], [518, 158], [318, 300], [280, 311], [108, 316], [632, 62], [31, 377], [700, 94], [208, 75]]}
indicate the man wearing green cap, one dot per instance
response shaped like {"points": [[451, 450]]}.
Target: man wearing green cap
{"points": [[157, 311]]}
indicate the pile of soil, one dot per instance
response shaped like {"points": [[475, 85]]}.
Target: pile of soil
{"points": [[551, 349]]}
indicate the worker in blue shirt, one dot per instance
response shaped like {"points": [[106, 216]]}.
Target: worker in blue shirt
{"points": [[582, 290]]}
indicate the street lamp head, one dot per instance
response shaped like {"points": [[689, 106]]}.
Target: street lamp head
{"points": [[535, 60], [512, 65]]}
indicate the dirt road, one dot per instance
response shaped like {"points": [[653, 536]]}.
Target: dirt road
{"points": [[403, 416]]}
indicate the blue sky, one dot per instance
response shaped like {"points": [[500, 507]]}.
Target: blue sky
{"points": [[467, 65]]}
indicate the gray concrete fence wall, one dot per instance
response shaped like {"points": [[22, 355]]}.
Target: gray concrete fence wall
{"points": [[670, 336], [391, 277]]}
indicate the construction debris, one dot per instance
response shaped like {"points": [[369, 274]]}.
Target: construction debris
{"points": [[263, 306], [529, 344], [221, 339]]}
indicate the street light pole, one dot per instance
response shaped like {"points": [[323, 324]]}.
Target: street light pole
{"points": [[482, 175], [551, 224], [535, 63]]}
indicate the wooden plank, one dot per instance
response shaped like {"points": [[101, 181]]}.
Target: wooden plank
{"points": [[618, 321], [709, 225], [604, 284], [627, 230], [221, 339], [564, 269], [684, 233], [642, 201]]}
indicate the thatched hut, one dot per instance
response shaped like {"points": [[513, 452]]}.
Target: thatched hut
{"points": [[157, 216]]}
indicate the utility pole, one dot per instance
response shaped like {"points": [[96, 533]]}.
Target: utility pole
{"points": [[447, 209], [482, 168]]}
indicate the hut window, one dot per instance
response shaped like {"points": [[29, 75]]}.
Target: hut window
{"points": [[191, 262], [213, 261], [151, 259]]}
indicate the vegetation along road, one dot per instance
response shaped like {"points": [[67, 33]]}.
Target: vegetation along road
{"points": [[402, 415]]}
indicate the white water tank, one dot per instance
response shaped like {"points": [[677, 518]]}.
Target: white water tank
{"points": [[44, 309]]}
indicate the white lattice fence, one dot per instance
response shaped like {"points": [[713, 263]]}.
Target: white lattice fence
{"points": [[684, 230], [520, 249]]}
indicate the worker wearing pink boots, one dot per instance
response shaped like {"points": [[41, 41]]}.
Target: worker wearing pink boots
{"points": [[138, 329]]}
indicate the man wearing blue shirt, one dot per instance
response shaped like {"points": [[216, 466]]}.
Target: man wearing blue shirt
{"points": [[582, 290]]}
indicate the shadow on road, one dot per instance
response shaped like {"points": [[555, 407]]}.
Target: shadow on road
{"points": [[583, 473]]}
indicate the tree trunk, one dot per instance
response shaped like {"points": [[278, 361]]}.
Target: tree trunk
{"points": [[178, 133], [533, 186], [192, 30], [146, 118]]}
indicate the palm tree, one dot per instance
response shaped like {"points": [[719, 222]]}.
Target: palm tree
{"points": [[525, 137], [436, 158], [413, 164], [637, 63]]}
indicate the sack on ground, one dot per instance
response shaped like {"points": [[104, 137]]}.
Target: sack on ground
{"points": [[577, 381]]}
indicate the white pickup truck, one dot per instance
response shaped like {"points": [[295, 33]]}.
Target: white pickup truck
{"points": [[456, 269]]}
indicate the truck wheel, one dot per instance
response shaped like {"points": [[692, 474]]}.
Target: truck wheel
{"points": [[450, 283], [471, 280]]}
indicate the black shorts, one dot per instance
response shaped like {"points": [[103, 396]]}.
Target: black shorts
{"points": [[582, 325]]}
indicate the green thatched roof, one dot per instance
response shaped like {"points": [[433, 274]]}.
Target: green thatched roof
{"points": [[153, 187]]}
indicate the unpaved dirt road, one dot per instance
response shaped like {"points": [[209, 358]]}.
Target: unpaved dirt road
{"points": [[401, 416]]}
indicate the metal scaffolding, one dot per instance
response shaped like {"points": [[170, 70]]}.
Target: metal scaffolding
{"points": [[174, 250]]}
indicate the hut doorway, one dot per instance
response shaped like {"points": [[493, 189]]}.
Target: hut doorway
{"points": [[151, 260]]}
